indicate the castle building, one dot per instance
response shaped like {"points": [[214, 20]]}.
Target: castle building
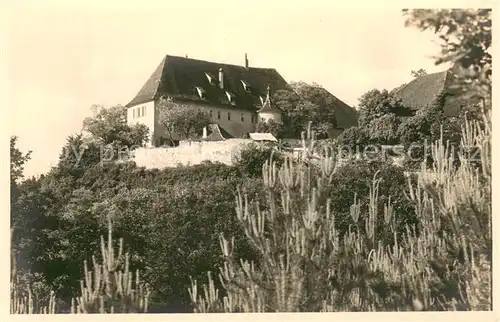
{"points": [[423, 90], [235, 97]]}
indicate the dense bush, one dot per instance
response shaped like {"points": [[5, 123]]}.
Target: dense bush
{"points": [[354, 139], [375, 104], [171, 219], [384, 130], [355, 180], [174, 234], [108, 287], [270, 126], [422, 126], [253, 157], [440, 258]]}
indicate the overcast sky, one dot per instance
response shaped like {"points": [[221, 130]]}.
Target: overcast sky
{"points": [[61, 61]]}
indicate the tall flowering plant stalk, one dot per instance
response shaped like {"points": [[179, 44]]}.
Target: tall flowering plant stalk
{"points": [[22, 299], [111, 287], [306, 264], [22, 303]]}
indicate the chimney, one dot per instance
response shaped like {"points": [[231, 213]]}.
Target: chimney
{"points": [[221, 78], [246, 61]]}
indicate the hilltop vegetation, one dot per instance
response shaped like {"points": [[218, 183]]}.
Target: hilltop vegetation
{"points": [[285, 235]]}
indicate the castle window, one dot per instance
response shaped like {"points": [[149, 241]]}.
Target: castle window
{"points": [[218, 115], [230, 98], [201, 92], [246, 86], [243, 117], [211, 114], [229, 116], [143, 110], [139, 112], [211, 78]]}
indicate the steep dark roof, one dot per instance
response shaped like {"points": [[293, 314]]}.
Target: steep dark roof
{"points": [[424, 89], [345, 115], [217, 133], [178, 77]]}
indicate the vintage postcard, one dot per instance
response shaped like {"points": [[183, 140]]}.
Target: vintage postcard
{"points": [[241, 158]]}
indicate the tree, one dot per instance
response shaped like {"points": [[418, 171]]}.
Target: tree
{"points": [[418, 73], [270, 126], [253, 157], [303, 104], [465, 36], [418, 128], [27, 222], [354, 139], [375, 104], [78, 155], [109, 126], [179, 120], [17, 161], [384, 130]]}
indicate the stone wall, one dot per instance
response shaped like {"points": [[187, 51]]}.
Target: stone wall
{"points": [[190, 153]]}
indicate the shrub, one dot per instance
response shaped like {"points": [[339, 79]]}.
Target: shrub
{"points": [[354, 139], [384, 130], [106, 289], [29, 293], [306, 265], [111, 287], [270, 126], [66, 216], [252, 158], [375, 104], [355, 181], [173, 233], [414, 129], [425, 124]]}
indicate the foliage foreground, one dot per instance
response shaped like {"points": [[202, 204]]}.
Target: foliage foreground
{"points": [[109, 288], [306, 263], [443, 263], [297, 241]]}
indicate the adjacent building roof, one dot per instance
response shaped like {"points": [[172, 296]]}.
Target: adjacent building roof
{"points": [[262, 137], [216, 133], [424, 89], [345, 115], [179, 77]]}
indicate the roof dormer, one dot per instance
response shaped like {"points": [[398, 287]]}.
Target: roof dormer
{"points": [[261, 100], [201, 92], [211, 78], [246, 86], [231, 98]]}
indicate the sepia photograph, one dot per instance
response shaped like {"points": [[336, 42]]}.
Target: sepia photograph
{"points": [[240, 158]]}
